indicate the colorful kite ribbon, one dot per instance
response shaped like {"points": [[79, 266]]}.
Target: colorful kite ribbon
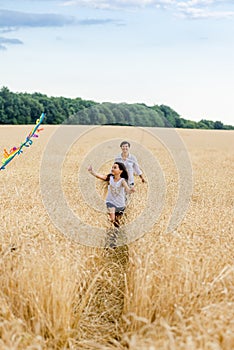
{"points": [[8, 156]]}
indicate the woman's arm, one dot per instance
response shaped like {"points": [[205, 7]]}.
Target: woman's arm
{"points": [[127, 188], [98, 176], [137, 169]]}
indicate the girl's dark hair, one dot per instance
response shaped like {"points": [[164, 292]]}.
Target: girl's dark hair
{"points": [[124, 173]]}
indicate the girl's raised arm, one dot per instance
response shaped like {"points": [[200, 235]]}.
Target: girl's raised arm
{"points": [[98, 176]]}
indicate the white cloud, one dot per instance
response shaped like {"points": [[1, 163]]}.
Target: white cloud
{"points": [[110, 3], [196, 13], [186, 8]]}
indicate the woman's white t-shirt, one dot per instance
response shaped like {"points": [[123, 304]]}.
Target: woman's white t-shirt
{"points": [[131, 165], [116, 193]]}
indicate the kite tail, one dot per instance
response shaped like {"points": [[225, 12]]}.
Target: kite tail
{"points": [[8, 156]]}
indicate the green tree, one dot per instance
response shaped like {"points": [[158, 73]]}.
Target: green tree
{"points": [[205, 124], [170, 115], [25, 108], [179, 122], [189, 124], [93, 115], [218, 125]]}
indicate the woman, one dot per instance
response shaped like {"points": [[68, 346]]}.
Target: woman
{"points": [[116, 199]]}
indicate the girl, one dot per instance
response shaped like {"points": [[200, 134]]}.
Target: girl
{"points": [[115, 200]]}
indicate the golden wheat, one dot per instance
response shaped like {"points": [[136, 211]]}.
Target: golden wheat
{"points": [[167, 290]]}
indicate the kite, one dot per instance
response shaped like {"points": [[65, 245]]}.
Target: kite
{"points": [[8, 156]]}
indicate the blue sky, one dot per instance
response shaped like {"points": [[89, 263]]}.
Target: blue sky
{"points": [[174, 52]]}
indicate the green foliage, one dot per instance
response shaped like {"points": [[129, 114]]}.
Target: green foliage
{"points": [[170, 116], [205, 124], [189, 124], [25, 108], [218, 125]]}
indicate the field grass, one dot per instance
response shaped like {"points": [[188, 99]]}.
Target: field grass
{"points": [[165, 290]]}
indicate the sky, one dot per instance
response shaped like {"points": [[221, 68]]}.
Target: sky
{"points": [[179, 53]]}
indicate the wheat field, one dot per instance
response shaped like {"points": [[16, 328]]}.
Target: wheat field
{"points": [[167, 289]]}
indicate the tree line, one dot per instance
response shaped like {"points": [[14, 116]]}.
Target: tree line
{"points": [[25, 108]]}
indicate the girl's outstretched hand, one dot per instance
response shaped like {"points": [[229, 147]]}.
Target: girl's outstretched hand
{"points": [[90, 168]]}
